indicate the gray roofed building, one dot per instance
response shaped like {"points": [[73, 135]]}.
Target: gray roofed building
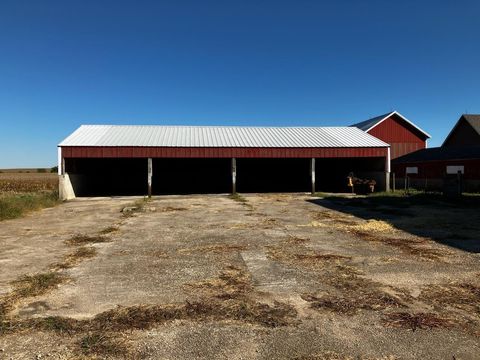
{"points": [[466, 132], [474, 121]]}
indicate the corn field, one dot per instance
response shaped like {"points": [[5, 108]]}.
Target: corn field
{"points": [[27, 182]]}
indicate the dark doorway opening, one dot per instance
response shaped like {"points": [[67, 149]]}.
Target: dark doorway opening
{"points": [[273, 175], [332, 173], [191, 176], [107, 177]]}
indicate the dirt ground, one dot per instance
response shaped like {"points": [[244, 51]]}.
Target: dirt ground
{"points": [[279, 276]]}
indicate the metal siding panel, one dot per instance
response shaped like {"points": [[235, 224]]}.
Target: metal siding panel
{"points": [[403, 138], [169, 152]]}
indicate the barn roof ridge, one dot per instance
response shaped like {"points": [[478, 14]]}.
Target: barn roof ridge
{"points": [[218, 126], [369, 124]]}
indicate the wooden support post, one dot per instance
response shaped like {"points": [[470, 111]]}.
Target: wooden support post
{"points": [[387, 170], [312, 174], [150, 172], [234, 176]]}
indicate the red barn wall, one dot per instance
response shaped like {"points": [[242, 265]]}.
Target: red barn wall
{"points": [[218, 152], [437, 169], [402, 137]]}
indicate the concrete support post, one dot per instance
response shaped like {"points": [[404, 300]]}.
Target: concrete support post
{"points": [[312, 174], [234, 176], [150, 172]]}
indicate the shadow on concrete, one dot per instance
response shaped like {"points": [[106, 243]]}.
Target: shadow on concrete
{"points": [[450, 221]]}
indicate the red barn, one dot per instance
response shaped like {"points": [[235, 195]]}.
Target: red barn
{"points": [[460, 153], [107, 160], [395, 129]]}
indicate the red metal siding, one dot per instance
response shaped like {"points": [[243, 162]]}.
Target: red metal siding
{"points": [[172, 152], [437, 169], [402, 137]]}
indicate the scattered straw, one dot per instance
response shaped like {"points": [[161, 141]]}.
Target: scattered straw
{"points": [[82, 239], [416, 321], [213, 248], [374, 226]]}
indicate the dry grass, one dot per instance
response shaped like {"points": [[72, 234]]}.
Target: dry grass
{"points": [[349, 291], [38, 284], [333, 216], [102, 344], [349, 304], [375, 231], [238, 198], [108, 230], [374, 226], [417, 321], [73, 259], [142, 317], [212, 248], [28, 286], [157, 253], [233, 282], [268, 223], [329, 355], [462, 296], [293, 251], [242, 200], [296, 240], [410, 246], [313, 257], [315, 223], [135, 207], [145, 317], [226, 298], [82, 239], [172, 209]]}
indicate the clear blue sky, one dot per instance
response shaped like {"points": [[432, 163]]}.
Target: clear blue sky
{"points": [[299, 63]]}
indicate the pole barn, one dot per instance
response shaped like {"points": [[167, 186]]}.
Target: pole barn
{"points": [[110, 160]]}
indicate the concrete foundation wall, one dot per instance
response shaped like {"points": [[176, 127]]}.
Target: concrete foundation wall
{"points": [[65, 188]]}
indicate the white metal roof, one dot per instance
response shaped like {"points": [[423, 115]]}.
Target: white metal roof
{"points": [[220, 136]]}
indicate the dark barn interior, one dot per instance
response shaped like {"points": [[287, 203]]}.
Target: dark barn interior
{"points": [[127, 176], [332, 173], [191, 176], [107, 177], [273, 175]]}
